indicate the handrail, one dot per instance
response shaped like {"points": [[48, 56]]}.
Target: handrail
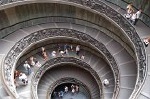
{"points": [[133, 36], [144, 79], [10, 89], [68, 80], [62, 60], [5, 2], [126, 27], [33, 38], [148, 24]]}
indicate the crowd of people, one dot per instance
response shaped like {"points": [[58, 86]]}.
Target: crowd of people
{"points": [[133, 17], [23, 75], [64, 49], [32, 62], [73, 89]]}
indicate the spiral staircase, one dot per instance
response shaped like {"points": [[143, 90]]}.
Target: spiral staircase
{"points": [[110, 53]]}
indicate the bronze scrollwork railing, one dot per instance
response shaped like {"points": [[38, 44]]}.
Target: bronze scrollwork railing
{"points": [[129, 31], [68, 80], [26, 42], [57, 61], [121, 22]]}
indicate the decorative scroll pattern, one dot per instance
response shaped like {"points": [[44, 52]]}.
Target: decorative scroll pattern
{"points": [[2, 2], [21, 45], [106, 10], [57, 61], [68, 80], [129, 30]]}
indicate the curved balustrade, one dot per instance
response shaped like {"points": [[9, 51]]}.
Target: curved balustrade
{"points": [[145, 17], [129, 30], [68, 80], [57, 61], [2, 2], [33, 38]]}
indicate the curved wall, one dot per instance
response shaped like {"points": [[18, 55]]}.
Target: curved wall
{"points": [[24, 44], [143, 4], [73, 70], [88, 16], [21, 16]]}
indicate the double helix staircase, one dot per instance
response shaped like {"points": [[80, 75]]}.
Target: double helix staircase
{"points": [[125, 61]]}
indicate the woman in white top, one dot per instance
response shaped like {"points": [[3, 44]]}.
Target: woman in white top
{"points": [[77, 49], [133, 18], [53, 53], [130, 9], [31, 61], [138, 13]]}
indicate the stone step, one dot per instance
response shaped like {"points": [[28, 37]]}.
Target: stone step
{"points": [[106, 40]]}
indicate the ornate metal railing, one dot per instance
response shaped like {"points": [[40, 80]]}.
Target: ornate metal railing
{"points": [[145, 17], [128, 29], [52, 87], [58, 61], [26, 42], [2, 2]]}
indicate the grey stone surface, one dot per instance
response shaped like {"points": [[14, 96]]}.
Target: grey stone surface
{"points": [[128, 69], [126, 57], [124, 93], [114, 47], [63, 25], [16, 36], [63, 72], [78, 27], [103, 38], [104, 75], [139, 32], [146, 88], [6, 45], [48, 25], [32, 29], [128, 81], [91, 31], [142, 96]]}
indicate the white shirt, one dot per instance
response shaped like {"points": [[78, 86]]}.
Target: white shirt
{"points": [[66, 89], [53, 53], [146, 41], [23, 76], [26, 66], [82, 57], [61, 52], [73, 90], [128, 15], [77, 48], [32, 63], [106, 82], [138, 14], [134, 16]]}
